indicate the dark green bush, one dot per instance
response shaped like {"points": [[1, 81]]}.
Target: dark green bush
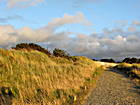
{"points": [[131, 60], [31, 46], [60, 53], [108, 60]]}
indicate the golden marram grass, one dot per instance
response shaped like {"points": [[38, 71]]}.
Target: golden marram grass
{"points": [[33, 78]]}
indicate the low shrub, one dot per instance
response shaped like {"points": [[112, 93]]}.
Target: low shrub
{"points": [[60, 53], [31, 46]]}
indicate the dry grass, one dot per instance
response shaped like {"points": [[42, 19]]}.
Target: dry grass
{"points": [[33, 78]]}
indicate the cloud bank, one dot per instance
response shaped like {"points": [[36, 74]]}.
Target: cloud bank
{"points": [[115, 43]]}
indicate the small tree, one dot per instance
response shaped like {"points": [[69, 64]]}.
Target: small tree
{"points": [[60, 53]]}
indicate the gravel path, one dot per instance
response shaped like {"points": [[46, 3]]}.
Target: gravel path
{"points": [[113, 88]]}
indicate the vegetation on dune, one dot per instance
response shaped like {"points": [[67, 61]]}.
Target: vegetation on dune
{"points": [[108, 60], [31, 46], [60, 53], [131, 60], [56, 52], [132, 70], [35, 78]]}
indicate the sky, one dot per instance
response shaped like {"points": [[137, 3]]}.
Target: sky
{"points": [[92, 28]]}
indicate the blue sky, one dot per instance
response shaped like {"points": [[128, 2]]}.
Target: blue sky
{"points": [[102, 13], [104, 16]]}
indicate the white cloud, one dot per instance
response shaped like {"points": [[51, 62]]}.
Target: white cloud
{"points": [[68, 19], [21, 3]]}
